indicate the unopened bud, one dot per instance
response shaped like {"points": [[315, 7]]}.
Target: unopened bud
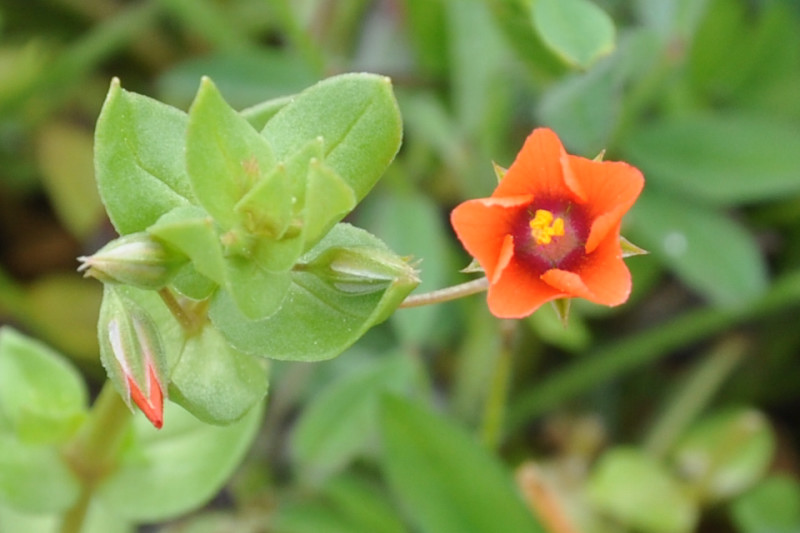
{"points": [[363, 270], [137, 259], [132, 353]]}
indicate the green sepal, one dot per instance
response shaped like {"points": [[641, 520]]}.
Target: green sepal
{"points": [[561, 307], [139, 172], [328, 199], [225, 155], [317, 320], [214, 381], [266, 210], [629, 249], [192, 231], [499, 171]]}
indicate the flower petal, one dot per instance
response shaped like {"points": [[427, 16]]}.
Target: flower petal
{"points": [[518, 293], [611, 189], [538, 169], [603, 278], [482, 225]]}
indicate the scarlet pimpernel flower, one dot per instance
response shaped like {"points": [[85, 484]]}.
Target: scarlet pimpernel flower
{"points": [[551, 229]]}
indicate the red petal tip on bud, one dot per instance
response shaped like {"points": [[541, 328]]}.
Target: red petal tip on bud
{"points": [[153, 407]]}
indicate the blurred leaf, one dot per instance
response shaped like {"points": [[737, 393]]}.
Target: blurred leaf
{"points": [[246, 77], [577, 30], [341, 421], [673, 19], [710, 252], [65, 157], [139, 167], [772, 506], [34, 477], [214, 381], [66, 309], [41, 394], [513, 17], [639, 492], [585, 108], [318, 320], [444, 479], [98, 520], [723, 158], [358, 119], [167, 472], [725, 454], [426, 18], [410, 224], [364, 504]]}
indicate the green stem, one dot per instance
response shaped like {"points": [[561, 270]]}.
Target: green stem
{"points": [[445, 295], [638, 350], [695, 394], [93, 452], [497, 397]]}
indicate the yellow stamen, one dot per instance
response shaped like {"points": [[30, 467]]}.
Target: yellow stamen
{"points": [[544, 227]]}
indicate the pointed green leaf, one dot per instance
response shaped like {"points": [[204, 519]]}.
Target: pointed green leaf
{"points": [[138, 163], [267, 209], [192, 231], [327, 200], [358, 118], [317, 320], [446, 481], [215, 382], [165, 473], [42, 396], [225, 156], [577, 30]]}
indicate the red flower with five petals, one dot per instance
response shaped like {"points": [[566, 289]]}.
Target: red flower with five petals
{"points": [[551, 229]]}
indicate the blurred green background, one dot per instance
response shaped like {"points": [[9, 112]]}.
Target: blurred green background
{"points": [[677, 411]]}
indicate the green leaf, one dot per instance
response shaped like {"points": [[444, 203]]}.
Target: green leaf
{"points": [[771, 506], [342, 419], [710, 252], [364, 504], [577, 30], [34, 478], [445, 480], [258, 293], [41, 394], [225, 156], [138, 163], [165, 473], [639, 492], [318, 320], [192, 231], [215, 382], [246, 77], [723, 158], [358, 118], [725, 454]]}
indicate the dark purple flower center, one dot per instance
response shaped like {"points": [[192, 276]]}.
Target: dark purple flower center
{"points": [[551, 234]]}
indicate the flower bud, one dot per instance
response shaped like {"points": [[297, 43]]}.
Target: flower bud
{"points": [[132, 353], [362, 269], [137, 259]]}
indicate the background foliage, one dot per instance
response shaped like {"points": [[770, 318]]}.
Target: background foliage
{"points": [[675, 412]]}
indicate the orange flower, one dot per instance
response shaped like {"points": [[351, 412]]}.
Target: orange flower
{"points": [[551, 229]]}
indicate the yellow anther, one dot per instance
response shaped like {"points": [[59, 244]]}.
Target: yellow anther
{"points": [[544, 227]]}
